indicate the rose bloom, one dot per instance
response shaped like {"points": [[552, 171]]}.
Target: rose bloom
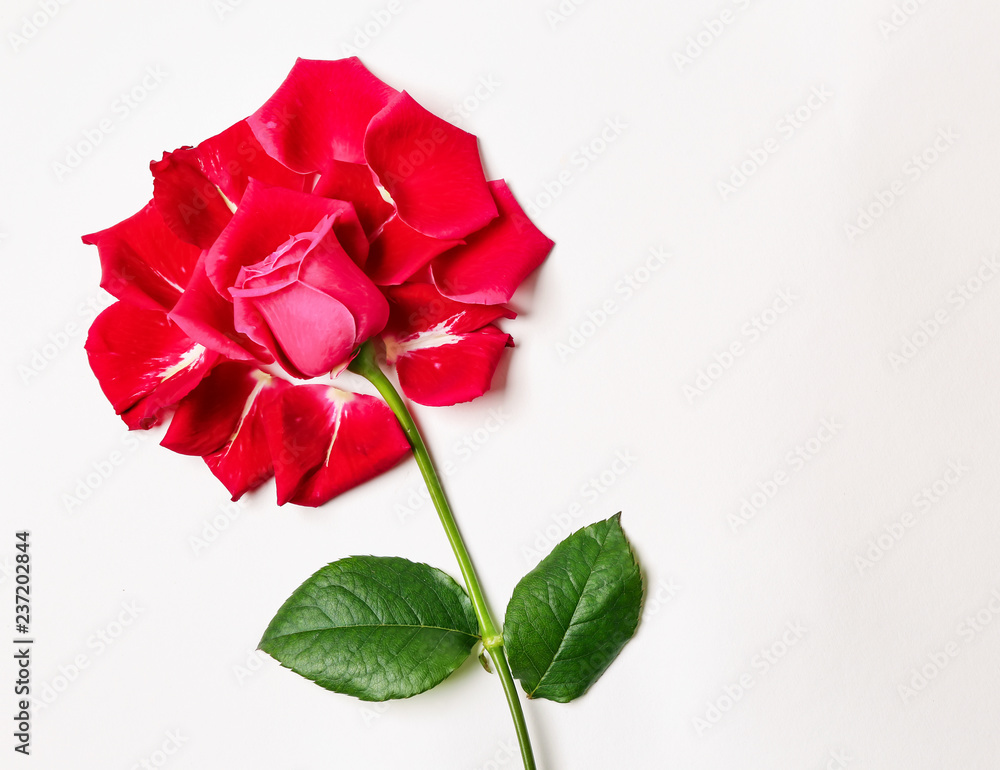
{"points": [[341, 211]]}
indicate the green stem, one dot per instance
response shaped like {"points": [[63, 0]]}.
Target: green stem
{"points": [[366, 365]]}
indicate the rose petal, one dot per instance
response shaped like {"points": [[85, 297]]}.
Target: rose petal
{"points": [[319, 113], [302, 346], [399, 251], [325, 441], [244, 462], [495, 260], [308, 303], [329, 269], [444, 351], [231, 158], [210, 416], [208, 318], [441, 370], [142, 261], [191, 205], [265, 220], [419, 307], [431, 169], [144, 362], [353, 182]]}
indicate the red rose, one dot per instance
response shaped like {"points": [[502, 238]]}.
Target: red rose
{"points": [[340, 211]]}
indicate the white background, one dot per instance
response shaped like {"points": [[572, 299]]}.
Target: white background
{"points": [[878, 578]]}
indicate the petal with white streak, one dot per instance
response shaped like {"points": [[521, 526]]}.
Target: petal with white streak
{"points": [[324, 441], [144, 362]]}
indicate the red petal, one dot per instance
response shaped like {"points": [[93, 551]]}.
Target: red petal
{"points": [[208, 318], [431, 169], [231, 158], [319, 114], [244, 463], [190, 204], [353, 182], [496, 259], [418, 307], [325, 441], [211, 415], [454, 370], [399, 251], [265, 220], [143, 362], [142, 261]]}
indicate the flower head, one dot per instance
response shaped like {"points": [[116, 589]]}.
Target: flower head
{"points": [[341, 211]]}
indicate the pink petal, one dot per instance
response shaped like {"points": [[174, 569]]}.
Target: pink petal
{"points": [[190, 204], [325, 441], [211, 415], [308, 303], [143, 362], [431, 169], [399, 251], [319, 114], [353, 182], [142, 261], [307, 331], [265, 220], [329, 269], [453, 371], [208, 318], [496, 259]]}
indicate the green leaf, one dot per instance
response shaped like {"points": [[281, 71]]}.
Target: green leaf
{"points": [[571, 615], [374, 627]]}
